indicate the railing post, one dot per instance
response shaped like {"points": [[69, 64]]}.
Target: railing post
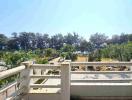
{"points": [[25, 75], [65, 81]]}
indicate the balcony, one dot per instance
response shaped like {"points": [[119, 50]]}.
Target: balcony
{"points": [[59, 82]]}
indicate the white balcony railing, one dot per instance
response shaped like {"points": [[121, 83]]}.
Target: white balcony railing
{"points": [[63, 75], [11, 90], [30, 73], [95, 64]]}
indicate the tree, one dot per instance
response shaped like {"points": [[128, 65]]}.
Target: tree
{"points": [[46, 40], [95, 56], [51, 53], [15, 35], [123, 38], [13, 42], [85, 46], [71, 39], [130, 37], [121, 52], [57, 41], [48, 52], [67, 51], [67, 48], [120, 39], [98, 39], [27, 40], [39, 41], [3, 41]]}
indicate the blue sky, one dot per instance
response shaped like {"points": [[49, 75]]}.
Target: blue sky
{"points": [[85, 17]]}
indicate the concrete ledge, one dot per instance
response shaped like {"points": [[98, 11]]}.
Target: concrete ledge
{"points": [[43, 96], [101, 90], [101, 98]]}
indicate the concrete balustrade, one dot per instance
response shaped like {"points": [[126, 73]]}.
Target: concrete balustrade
{"points": [[12, 87], [11, 72], [67, 85], [101, 63], [64, 77]]}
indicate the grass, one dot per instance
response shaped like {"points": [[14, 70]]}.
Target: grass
{"points": [[108, 60]]}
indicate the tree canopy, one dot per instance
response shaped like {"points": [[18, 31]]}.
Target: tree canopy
{"points": [[32, 41]]}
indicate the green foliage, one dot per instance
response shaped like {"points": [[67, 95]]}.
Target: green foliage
{"points": [[3, 40], [73, 57], [67, 52], [121, 52], [13, 59], [95, 56], [41, 61], [51, 53], [98, 39], [8, 80], [67, 48], [85, 46], [48, 52], [63, 54]]}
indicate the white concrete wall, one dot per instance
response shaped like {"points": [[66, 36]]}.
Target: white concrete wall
{"points": [[41, 96], [87, 91], [100, 90]]}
